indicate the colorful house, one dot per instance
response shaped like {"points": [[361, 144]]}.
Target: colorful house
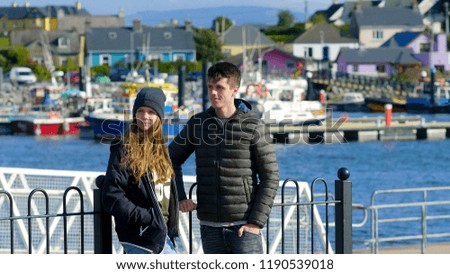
{"points": [[376, 61], [274, 62], [112, 46], [27, 17], [431, 52], [237, 38]]}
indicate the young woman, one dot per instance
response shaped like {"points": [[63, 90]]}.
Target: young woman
{"points": [[139, 189]]}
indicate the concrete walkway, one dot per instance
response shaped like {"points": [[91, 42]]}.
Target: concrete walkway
{"points": [[442, 248]]}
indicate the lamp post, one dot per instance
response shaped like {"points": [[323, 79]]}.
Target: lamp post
{"points": [[432, 78], [309, 82], [423, 74]]}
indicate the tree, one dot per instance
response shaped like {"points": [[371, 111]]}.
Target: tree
{"points": [[318, 18], [207, 45], [285, 19], [221, 24], [283, 34], [18, 55]]}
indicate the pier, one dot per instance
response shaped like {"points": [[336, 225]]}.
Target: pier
{"points": [[344, 130]]}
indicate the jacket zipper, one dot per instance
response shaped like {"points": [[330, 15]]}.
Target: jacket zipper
{"points": [[218, 147], [152, 192]]}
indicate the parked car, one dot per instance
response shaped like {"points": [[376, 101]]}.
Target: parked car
{"points": [[74, 77], [22, 75], [118, 74], [194, 76]]}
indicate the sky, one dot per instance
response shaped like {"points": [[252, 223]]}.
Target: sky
{"points": [[109, 7]]}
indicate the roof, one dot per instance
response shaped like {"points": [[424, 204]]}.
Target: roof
{"points": [[16, 13], [237, 59], [253, 36], [323, 33], [34, 36], [399, 3], [350, 7], [124, 39], [379, 56], [402, 39], [68, 10], [391, 17], [21, 13]]}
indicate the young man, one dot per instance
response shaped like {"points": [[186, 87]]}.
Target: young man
{"points": [[237, 170]]}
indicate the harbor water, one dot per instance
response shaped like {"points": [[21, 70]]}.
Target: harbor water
{"points": [[373, 165]]}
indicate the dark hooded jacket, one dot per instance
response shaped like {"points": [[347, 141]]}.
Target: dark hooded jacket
{"points": [[236, 166], [134, 205]]}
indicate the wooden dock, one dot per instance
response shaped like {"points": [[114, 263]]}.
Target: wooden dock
{"points": [[344, 130]]}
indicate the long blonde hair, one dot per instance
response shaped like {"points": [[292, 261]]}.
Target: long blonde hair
{"points": [[145, 151]]}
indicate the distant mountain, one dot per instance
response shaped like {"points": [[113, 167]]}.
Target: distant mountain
{"points": [[203, 17]]}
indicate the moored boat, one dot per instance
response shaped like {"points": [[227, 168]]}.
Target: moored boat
{"points": [[351, 102], [39, 125], [377, 104], [5, 126], [282, 102]]}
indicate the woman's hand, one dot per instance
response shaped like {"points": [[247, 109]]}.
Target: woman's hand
{"points": [[187, 205]]}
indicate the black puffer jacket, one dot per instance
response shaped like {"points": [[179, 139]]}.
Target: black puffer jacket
{"points": [[137, 214], [236, 166]]}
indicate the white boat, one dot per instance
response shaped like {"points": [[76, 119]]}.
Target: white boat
{"points": [[351, 102], [111, 117], [282, 102]]}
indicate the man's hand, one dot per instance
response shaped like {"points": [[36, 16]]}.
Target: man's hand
{"points": [[187, 205], [248, 228]]}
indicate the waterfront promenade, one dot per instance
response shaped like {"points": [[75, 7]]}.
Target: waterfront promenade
{"points": [[346, 129], [441, 248]]}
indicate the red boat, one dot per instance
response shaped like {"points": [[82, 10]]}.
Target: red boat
{"points": [[45, 126]]}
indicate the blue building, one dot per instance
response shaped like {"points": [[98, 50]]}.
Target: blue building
{"points": [[111, 46]]}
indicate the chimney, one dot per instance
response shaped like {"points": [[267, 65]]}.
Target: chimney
{"points": [[188, 24], [358, 5], [121, 13], [78, 5], [137, 25]]}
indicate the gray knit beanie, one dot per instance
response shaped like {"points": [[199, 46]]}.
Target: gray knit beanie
{"points": [[150, 97]]}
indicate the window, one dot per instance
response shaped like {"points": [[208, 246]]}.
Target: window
{"points": [[424, 47], [325, 53], [112, 35], [381, 69], [63, 61], [377, 34], [153, 56], [308, 52], [355, 68], [105, 59], [167, 35], [178, 56], [63, 42], [226, 52], [290, 64]]}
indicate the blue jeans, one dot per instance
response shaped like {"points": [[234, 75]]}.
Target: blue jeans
{"points": [[225, 240], [169, 248]]}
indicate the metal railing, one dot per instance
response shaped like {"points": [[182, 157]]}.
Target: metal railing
{"points": [[65, 215], [407, 216]]}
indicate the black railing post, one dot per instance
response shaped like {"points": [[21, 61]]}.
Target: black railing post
{"points": [[343, 194], [205, 100], [181, 82], [102, 222]]}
